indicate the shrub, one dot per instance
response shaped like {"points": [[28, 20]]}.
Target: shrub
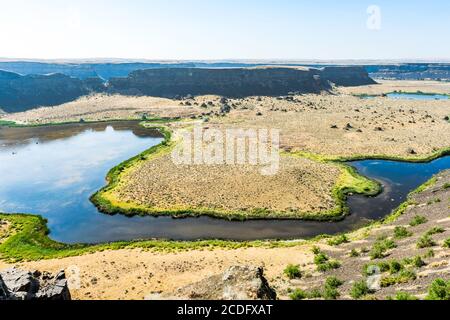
{"points": [[330, 265], [316, 250], [435, 230], [380, 247], [447, 243], [405, 296], [403, 277], [293, 271], [447, 186], [439, 290], [333, 282], [369, 269], [331, 293], [359, 290], [402, 232], [354, 253], [418, 262], [395, 267], [338, 240], [298, 294], [429, 254], [418, 220], [323, 262], [315, 294], [425, 242], [320, 258]]}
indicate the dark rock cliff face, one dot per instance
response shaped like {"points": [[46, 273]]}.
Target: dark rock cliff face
{"points": [[237, 82], [19, 93], [347, 76], [224, 82]]}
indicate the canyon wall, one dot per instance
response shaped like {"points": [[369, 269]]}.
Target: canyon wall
{"points": [[223, 82], [19, 93]]}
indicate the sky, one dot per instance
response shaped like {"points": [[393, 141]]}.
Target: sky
{"points": [[225, 29]]}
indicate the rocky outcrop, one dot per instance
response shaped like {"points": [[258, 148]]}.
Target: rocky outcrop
{"points": [[237, 283], [18, 93], [346, 76], [223, 82], [16, 284], [239, 82], [411, 71]]}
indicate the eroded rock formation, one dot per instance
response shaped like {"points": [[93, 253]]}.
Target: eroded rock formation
{"points": [[237, 283], [16, 284]]}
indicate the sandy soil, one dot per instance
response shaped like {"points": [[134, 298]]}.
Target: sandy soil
{"points": [[107, 107], [135, 274], [300, 185], [387, 86], [345, 125]]}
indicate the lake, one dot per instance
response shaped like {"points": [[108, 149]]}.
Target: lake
{"points": [[52, 171]]}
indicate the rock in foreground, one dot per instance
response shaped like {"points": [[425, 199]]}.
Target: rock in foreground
{"points": [[16, 284], [237, 283]]}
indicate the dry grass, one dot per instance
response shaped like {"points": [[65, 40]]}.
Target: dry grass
{"points": [[300, 185], [107, 107], [379, 126], [387, 86]]}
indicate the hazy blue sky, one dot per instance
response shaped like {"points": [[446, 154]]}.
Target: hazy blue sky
{"points": [[224, 29]]}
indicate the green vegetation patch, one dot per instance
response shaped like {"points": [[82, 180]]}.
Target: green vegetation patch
{"points": [[403, 296], [402, 232], [439, 290], [380, 248], [4, 123], [425, 242], [418, 220], [360, 289], [293, 271], [323, 262], [28, 241]]}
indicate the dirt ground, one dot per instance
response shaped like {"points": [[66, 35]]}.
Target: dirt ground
{"points": [[345, 125], [387, 86]]}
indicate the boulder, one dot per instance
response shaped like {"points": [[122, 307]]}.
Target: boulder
{"points": [[17, 284], [4, 293], [237, 283], [225, 109]]}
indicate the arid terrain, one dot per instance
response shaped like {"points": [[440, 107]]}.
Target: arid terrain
{"points": [[317, 127], [138, 274], [300, 185], [329, 124]]}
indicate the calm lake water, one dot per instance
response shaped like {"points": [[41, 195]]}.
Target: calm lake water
{"points": [[413, 96], [52, 171]]}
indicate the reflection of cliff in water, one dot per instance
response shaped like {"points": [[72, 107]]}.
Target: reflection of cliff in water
{"points": [[23, 135]]}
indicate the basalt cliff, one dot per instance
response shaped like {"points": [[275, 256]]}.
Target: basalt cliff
{"points": [[23, 92], [238, 82]]}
